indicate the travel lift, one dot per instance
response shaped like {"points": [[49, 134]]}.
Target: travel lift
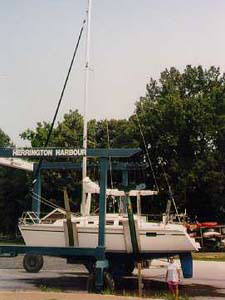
{"points": [[102, 265]]}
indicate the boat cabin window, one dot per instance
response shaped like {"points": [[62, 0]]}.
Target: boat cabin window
{"points": [[151, 234], [120, 223], [109, 222], [90, 222]]}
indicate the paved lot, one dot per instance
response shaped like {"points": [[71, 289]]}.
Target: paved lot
{"points": [[56, 276], [61, 296], [207, 283]]}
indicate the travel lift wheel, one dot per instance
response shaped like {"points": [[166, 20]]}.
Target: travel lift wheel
{"points": [[109, 283], [33, 263]]}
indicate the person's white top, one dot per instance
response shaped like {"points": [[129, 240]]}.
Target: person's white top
{"points": [[172, 272]]}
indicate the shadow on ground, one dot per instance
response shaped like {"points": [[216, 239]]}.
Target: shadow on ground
{"points": [[77, 282], [68, 282], [155, 287], [152, 287]]}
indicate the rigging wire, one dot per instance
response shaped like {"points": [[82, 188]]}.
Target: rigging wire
{"points": [[147, 153], [164, 172], [60, 99], [45, 201], [170, 191], [48, 203]]}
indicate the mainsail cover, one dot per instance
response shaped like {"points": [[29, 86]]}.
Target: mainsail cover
{"points": [[93, 188]]}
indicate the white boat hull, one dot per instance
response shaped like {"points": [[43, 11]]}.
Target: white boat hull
{"points": [[152, 237]]}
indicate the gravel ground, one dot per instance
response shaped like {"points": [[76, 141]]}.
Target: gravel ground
{"points": [[50, 263], [57, 276], [60, 296]]}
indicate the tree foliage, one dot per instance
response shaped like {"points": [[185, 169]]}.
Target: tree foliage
{"points": [[4, 139], [69, 133], [183, 120], [13, 193]]}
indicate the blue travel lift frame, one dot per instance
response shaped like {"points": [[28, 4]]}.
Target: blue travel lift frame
{"points": [[98, 253]]}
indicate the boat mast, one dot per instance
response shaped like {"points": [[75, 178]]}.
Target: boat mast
{"points": [[86, 90]]}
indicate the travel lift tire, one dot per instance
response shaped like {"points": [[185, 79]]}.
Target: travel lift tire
{"points": [[109, 283], [33, 263]]}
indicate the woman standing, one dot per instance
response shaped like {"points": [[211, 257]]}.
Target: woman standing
{"points": [[173, 277]]}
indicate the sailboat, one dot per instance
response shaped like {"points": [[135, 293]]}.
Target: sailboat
{"points": [[82, 231], [160, 237]]}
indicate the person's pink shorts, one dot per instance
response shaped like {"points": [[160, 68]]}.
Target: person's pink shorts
{"points": [[173, 284]]}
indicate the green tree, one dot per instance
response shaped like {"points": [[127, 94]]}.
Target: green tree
{"points": [[113, 134], [182, 118], [13, 193], [4, 139], [67, 133]]}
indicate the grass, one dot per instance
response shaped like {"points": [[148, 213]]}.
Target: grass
{"points": [[209, 256], [169, 296], [11, 242], [45, 288], [165, 295], [157, 295]]}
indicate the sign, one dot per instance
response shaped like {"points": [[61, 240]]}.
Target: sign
{"points": [[66, 152], [42, 152]]}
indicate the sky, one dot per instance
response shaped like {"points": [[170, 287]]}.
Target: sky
{"points": [[131, 41]]}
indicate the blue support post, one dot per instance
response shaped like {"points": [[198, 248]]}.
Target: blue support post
{"points": [[36, 203], [101, 263]]}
